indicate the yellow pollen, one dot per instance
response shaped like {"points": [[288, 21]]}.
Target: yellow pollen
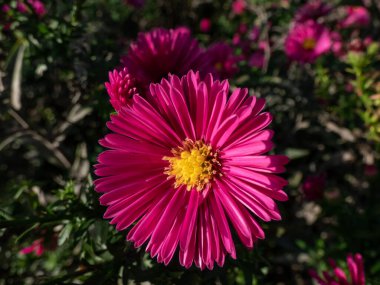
{"points": [[193, 165], [309, 44]]}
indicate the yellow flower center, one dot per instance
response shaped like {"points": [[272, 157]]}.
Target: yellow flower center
{"points": [[218, 66], [193, 165], [309, 44]]}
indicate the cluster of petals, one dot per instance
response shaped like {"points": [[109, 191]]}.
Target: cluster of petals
{"points": [[307, 41], [355, 266], [312, 10], [142, 198], [159, 52], [122, 86], [36, 247], [355, 16], [223, 60]]}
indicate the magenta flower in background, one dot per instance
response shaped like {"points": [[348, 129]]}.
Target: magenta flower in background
{"points": [[159, 52], [38, 7], [257, 59], [22, 8], [356, 17], [121, 88], [254, 34], [338, 276], [205, 25], [5, 8], [337, 44], [243, 28], [184, 164], [36, 247], [238, 7], [223, 60], [307, 41], [314, 186], [312, 10]]}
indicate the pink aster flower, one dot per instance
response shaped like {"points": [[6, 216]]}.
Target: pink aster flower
{"points": [[36, 247], [121, 87], [307, 41], [356, 16], [159, 52], [314, 186], [5, 8], [312, 10], [257, 59], [22, 8], [223, 60], [185, 164], [38, 7], [205, 25], [238, 7], [338, 276]]}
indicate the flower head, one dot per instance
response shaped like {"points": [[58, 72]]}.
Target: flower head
{"points": [[121, 87], [238, 7], [223, 60], [307, 41], [356, 16], [38, 7], [5, 8], [186, 162], [161, 52], [314, 186], [22, 8], [339, 277], [205, 25], [312, 10]]}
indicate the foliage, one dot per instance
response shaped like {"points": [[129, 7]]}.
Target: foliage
{"points": [[54, 108]]}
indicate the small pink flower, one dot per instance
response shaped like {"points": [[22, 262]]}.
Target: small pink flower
{"points": [[205, 25], [22, 8], [338, 277], [356, 16], [36, 247], [312, 10], [5, 8], [368, 41], [314, 186], [223, 60], [121, 88], [38, 7], [160, 52], [257, 59], [254, 34], [236, 39], [307, 41], [238, 7], [242, 29], [337, 44]]}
